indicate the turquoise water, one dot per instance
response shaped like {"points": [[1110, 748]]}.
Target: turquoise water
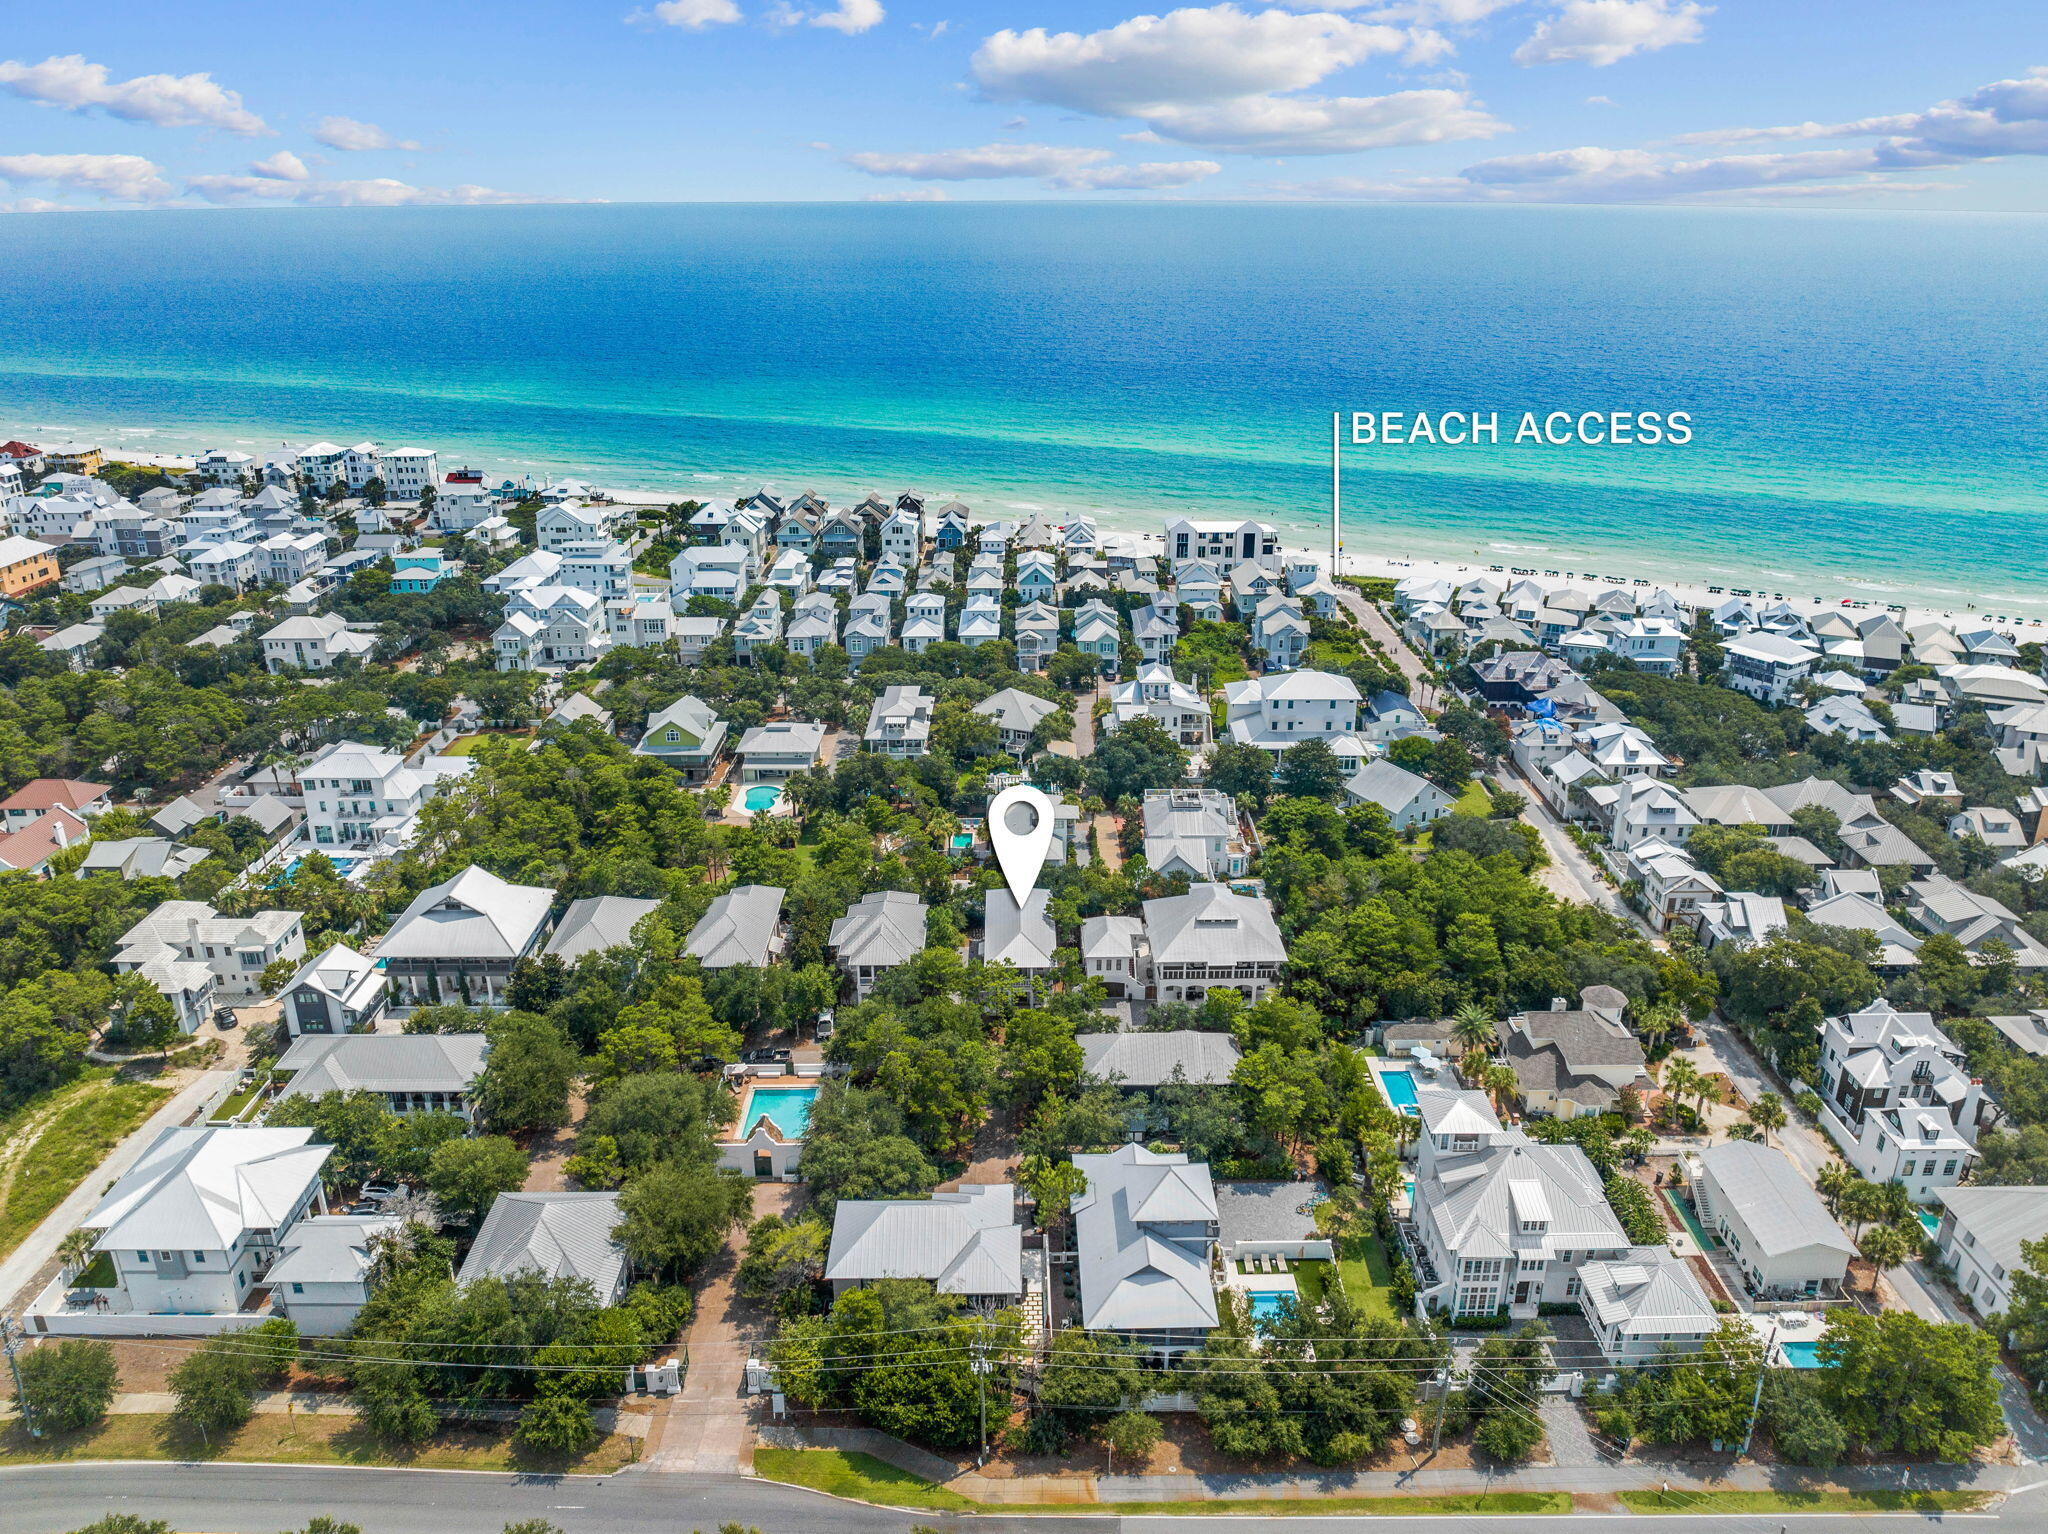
{"points": [[787, 1108], [1268, 1305], [1398, 1082], [1930, 1222], [1862, 384], [762, 796], [1801, 1355]]}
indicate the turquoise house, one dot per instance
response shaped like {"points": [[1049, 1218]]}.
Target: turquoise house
{"points": [[420, 572]]}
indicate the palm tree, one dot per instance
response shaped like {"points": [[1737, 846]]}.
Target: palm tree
{"points": [[1637, 1145], [1768, 1114], [76, 1249], [1895, 1205], [1501, 1082], [1681, 1079], [1473, 1030], [1860, 1203], [1832, 1181], [1886, 1247], [1655, 1022]]}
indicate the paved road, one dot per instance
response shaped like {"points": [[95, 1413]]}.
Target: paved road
{"points": [[1568, 875], [1421, 691], [261, 1499]]}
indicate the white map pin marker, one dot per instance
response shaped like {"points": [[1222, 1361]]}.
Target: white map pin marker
{"points": [[1020, 822]]}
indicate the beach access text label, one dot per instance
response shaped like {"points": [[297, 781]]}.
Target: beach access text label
{"points": [[1556, 428]]}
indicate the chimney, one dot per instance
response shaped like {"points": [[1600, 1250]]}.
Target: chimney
{"points": [[1557, 1003]]}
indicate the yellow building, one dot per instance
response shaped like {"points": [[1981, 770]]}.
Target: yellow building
{"points": [[25, 565], [75, 458]]}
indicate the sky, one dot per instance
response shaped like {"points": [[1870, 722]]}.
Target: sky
{"points": [[1809, 103]]}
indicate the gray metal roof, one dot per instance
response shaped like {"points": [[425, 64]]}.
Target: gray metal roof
{"points": [[1020, 935], [2000, 1219], [382, 1062], [1150, 1059], [737, 928], [883, 928], [967, 1242], [475, 915], [1212, 924], [328, 1249], [1649, 1290], [1142, 1233], [1777, 1204], [598, 922], [557, 1235]]}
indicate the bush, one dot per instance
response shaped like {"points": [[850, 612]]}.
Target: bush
{"points": [[1133, 1434], [125, 1523], [1509, 1436], [556, 1424], [69, 1386], [275, 1346], [215, 1387]]}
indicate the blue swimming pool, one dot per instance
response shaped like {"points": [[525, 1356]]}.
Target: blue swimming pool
{"points": [[762, 796], [787, 1108], [1930, 1222], [1801, 1355], [1398, 1082], [1268, 1304]]}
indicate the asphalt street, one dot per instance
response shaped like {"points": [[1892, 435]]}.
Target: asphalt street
{"points": [[264, 1499]]}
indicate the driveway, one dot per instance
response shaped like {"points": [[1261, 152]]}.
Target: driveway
{"points": [[708, 1428]]}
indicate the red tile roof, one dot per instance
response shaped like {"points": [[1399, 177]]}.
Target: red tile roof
{"points": [[54, 793], [34, 845]]}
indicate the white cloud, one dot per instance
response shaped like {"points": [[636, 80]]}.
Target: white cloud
{"points": [[1599, 101], [1139, 178], [1603, 32], [168, 101], [2004, 117], [912, 194], [346, 133], [1215, 76], [1327, 124], [34, 205], [693, 15], [119, 177], [282, 166], [848, 16], [380, 192], [991, 162]]}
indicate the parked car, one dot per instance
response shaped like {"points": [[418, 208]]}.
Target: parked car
{"points": [[224, 1017]]}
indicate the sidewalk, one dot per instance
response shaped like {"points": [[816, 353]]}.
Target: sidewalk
{"points": [[1602, 1477], [23, 1271], [318, 1403]]}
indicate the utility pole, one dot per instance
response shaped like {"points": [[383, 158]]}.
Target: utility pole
{"points": [[980, 1368], [7, 1330], [1756, 1396], [1436, 1434]]}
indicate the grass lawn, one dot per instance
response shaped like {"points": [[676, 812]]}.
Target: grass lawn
{"points": [[304, 1439], [1368, 1274], [1466, 1503], [867, 1479], [859, 1476], [1801, 1501], [1473, 801], [86, 1120], [235, 1102]]}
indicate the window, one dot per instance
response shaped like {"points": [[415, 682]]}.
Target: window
{"points": [[298, 1288], [1948, 1168]]}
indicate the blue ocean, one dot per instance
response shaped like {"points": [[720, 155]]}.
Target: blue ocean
{"points": [[1865, 389]]}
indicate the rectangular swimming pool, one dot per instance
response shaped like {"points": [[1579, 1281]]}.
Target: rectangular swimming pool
{"points": [[1398, 1083], [1800, 1355], [787, 1108], [1267, 1304]]}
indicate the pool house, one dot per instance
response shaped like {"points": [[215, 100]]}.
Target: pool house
{"points": [[766, 1139]]}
